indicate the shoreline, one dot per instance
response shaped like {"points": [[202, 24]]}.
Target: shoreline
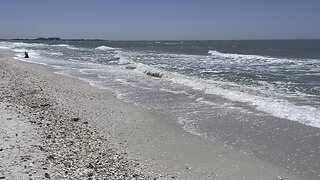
{"points": [[151, 138]]}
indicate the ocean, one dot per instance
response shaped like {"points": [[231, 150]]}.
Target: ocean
{"points": [[259, 96]]}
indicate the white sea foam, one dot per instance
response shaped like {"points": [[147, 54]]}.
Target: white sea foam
{"points": [[17, 45], [60, 45], [272, 105], [54, 53], [148, 70], [280, 108], [85, 71], [123, 58], [190, 127], [174, 92], [105, 48], [4, 47], [67, 46], [236, 56], [243, 59]]}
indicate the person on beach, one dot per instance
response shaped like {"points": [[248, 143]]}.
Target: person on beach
{"points": [[26, 55]]}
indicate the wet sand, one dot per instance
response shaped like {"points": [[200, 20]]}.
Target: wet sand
{"points": [[149, 144]]}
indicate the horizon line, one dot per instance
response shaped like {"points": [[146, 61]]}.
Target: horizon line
{"points": [[100, 39]]}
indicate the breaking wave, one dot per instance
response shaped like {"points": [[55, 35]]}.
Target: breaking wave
{"points": [[61, 45], [218, 54], [280, 108], [277, 107], [105, 48]]}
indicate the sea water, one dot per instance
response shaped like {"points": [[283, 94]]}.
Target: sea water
{"points": [[262, 97], [281, 78]]}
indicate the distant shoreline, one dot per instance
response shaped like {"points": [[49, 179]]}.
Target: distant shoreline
{"points": [[62, 39], [52, 39]]}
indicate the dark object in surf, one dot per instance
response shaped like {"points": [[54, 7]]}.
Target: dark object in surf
{"points": [[75, 119], [26, 55], [47, 175], [154, 74]]}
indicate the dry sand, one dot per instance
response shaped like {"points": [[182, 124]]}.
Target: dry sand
{"points": [[112, 139], [20, 156]]}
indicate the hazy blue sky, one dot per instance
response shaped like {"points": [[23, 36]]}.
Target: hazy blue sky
{"points": [[160, 19]]}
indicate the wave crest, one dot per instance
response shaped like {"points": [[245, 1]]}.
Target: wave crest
{"points": [[218, 54], [61, 45], [105, 48]]}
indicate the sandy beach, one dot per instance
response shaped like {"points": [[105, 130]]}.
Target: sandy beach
{"points": [[67, 129]]}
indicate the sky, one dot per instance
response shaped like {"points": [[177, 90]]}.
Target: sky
{"points": [[161, 19]]}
